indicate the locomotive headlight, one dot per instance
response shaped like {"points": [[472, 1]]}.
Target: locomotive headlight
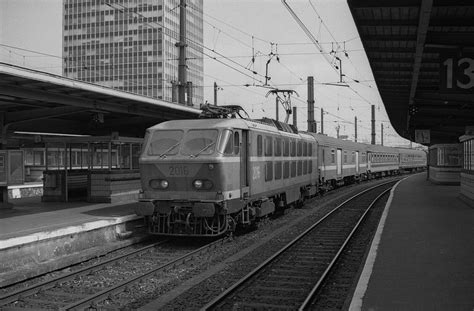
{"points": [[197, 184], [210, 166], [164, 184], [159, 183]]}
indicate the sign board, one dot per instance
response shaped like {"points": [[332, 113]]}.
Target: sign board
{"points": [[422, 136], [456, 72]]}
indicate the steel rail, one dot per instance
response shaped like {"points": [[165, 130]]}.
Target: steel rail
{"points": [[91, 300], [213, 303], [331, 265], [31, 290]]}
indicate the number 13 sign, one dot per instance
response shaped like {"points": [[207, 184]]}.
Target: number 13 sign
{"points": [[457, 73]]}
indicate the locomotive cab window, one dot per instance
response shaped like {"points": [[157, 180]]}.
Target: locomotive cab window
{"points": [[165, 142], [198, 142]]}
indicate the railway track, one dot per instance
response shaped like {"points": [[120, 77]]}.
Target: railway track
{"points": [[292, 277], [94, 286]]}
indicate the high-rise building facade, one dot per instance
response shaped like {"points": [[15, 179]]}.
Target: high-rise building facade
{"points": [[130, 45]]}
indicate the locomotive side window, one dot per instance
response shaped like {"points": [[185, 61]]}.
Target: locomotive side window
{"points": [[259, 146], [278, 170], [293, 148], [277, 147], [236, 143], [310, 149], [333, 156], [286, 169], [226, 145], [293, 168], [286, 148], [268, 170], [165, 142], [268, 146]]}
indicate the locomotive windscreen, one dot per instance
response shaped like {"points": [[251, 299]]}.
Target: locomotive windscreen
{"points": [[191, 143]]}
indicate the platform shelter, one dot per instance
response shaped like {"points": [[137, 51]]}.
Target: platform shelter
{"points": [[445, 163], [467, 171], [94, 169]]}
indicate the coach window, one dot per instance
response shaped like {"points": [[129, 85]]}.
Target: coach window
{"points": [[277, 147], [236, 143], [310, 149], [300, 148], [305, 149], [333, 156], [259, 146], [345, 156]]}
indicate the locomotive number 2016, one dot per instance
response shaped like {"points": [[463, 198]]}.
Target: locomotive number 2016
{"points": [[179, 170]]}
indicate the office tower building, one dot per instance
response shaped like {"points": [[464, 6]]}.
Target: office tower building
{"points": [[131, 45]]}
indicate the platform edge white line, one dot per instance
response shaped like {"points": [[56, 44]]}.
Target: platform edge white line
{"points": [[362, 284]]}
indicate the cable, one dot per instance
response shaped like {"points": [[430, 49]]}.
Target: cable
{"points": [[188, 40]]}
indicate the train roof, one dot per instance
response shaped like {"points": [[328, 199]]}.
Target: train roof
{"points": [[411, 151], [332, 141], [265, 124]]}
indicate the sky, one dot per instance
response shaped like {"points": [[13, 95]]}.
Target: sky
{"points": [[239, 31]]}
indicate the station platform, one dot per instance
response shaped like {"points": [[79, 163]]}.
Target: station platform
{"points": [[422, 257], [36, 237]]}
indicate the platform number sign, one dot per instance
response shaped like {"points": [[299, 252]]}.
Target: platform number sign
{"points": [[457, 73]]}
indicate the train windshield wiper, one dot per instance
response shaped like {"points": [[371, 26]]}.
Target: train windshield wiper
{"points": [[202, 150], [169, 149]]}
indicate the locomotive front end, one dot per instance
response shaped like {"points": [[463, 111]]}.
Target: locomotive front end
{"points": [[182, 177]]}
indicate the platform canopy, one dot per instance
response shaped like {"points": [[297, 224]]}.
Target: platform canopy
{"points": [[35, 101], [422, 56]]}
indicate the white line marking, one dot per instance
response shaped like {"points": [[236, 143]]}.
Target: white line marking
{"points": [[359, 293]]}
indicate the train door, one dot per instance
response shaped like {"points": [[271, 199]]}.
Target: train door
{"points": [[339, 162], [357, 162], [369, 161], [244, 165]]}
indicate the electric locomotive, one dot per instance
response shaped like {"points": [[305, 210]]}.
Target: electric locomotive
{"points": [[204, 177]]}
